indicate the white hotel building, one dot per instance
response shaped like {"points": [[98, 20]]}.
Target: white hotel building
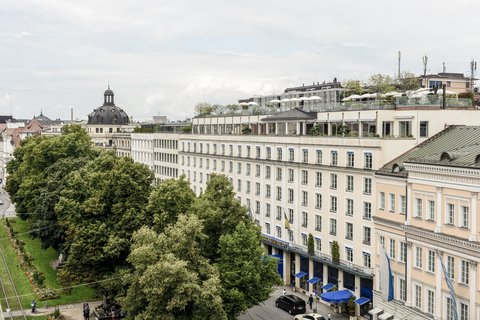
{"points": [[313, 165]]}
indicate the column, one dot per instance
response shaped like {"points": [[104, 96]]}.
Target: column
{"points": [[298, 129], [286, 268], [473, 289], [276, 128], [473, 214], [340, 279], [438, 285], [408, 221], [357, 286], [408, 303], [438, 209], [310, 274], [325, 275], [297, 269]]}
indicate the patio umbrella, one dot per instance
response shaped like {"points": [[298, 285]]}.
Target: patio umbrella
{"points": [[355, 97], [243, 104], [392, 94], [253, 103], [446, 92], [294, 99], [275, 101], [285, 100], [315, 98], [304, 98]]}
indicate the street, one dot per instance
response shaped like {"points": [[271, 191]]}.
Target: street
{"points": [[268, 311], [6, 209]]}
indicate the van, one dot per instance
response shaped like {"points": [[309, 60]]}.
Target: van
{"points": [[291, 303]]}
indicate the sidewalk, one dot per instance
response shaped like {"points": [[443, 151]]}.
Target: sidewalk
{"points": [[70, 311]]}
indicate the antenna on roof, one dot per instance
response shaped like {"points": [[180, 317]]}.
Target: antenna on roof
{"points": [[444, 68], [425, 61], [399, 61], [473, 68]]}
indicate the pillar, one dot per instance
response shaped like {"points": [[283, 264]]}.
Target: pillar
{"points": [[438, 286], [408, 282], [340, 279], [297, 270], [310, 274], [408, 220], [357, 287], [286, 268], [325, 275], [473, 214], [473, 289], [438, 209]]}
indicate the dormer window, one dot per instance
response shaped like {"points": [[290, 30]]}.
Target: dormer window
{"points": [[477, 160], [396, 168], [447, 156]]}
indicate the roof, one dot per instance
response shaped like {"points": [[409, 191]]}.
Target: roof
{"points": [[292, 114], [456, 146], [108, 113]]}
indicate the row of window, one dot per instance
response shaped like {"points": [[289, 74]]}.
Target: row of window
{"points": [[166, 144], [392, 203], [455, 214], [350, 156], [165, 157]]}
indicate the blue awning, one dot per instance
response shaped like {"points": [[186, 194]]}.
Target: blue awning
{"points": [[336, 296], [362, 300], [301, 274], [328, 286], [313, 280]]}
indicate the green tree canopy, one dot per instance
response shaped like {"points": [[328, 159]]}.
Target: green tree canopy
{"points": [[355, 86], [408, 81], [381, 83], [171, 279], [247, 273], [204, 108]]}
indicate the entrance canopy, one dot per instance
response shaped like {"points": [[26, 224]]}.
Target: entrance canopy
{"points": [[362, 300], [336, 296], [301, 274], [313, 280], [328, 286]]}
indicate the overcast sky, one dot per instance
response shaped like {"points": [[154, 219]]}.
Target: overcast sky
{"points": [[162, 57]]}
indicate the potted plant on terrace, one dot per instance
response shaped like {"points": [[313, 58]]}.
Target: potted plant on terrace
{"points": [[311, 245], [335, 252]]}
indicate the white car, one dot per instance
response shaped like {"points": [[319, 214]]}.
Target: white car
{"points": [[309, 316]]}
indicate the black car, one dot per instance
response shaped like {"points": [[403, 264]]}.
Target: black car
{"points": [[291, 303]]}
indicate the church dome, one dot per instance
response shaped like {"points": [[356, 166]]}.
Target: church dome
{"points": [[108, 113]]}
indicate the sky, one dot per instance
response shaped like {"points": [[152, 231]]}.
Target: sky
{"points": [[163, 57]]}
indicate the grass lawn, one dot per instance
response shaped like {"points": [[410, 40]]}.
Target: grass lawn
{"points": [[43, 261]]}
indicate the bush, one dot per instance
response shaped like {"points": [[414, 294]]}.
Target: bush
{"points": [[311, 245], [335, 251]]}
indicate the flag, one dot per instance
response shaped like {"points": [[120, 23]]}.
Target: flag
{"points": [[450, 288], [386, 278], [287, 224]]}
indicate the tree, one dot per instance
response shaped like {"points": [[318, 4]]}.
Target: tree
{"points": [[232, 108], [408, 81], [101, 206], [311, 245], [171, 279], [381, 83], [335, 251], [168, 200], [248, 275], [220, 211], [354, 86], [204, 108]]}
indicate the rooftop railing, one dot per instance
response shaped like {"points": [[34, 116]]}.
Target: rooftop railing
{"points": [[433, 101]]}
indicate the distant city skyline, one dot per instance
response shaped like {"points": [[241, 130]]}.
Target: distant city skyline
{"points": [[162, 59]]}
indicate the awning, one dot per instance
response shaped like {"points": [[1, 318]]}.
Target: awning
{"points": [[301, 274], [313, 280], [362, 300], [328, 286], [385, 316], [336, 296]]}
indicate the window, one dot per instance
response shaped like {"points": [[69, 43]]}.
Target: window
{"points": [[349, 254], [319, 156], [391, 202], [463, 311], [405, 129], [290, 195], [290, 236], [350, 159], [392, 248], [318, 179], [279, 154], [223, 166], [349, 231], [318, 244], [268, 191], [279, 232], [267, 210], [333, 227], [257, 207], [268, 172], [258, 152], [318, 201], [450, 213], [418, 207], [350, 183], [465, 272], [431, 210], [279, 193], [290, 215], [418, 257], [403, 204], [382, 243], [239, 185], [368, 160], [403, 252], [279, 174], [257, 170], [431, 261], [248, 187], [304, 198], [431, 301], [304, 176], [248, 151], [333, 158], [279, 213], [449, 308], [304, 239], [239, 150], [290, 175], [367, 186], [269, 153], [367, 211], [381, 200], [333, 204], [318, 222], [239, 168], [230, 166], [257, 188], [305, 156], [366, 260], [403, 290], [465, 217], [247, 169], [418, 296], [451, 267], [304, 219], [367, 233], [230, 148], [291, 154], [267, 227], [349, 211], [387, 128], [333, 181], [423, 129]]}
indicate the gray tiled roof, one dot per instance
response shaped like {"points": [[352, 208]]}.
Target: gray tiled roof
{"points": [[456, 146], [292, 114]]}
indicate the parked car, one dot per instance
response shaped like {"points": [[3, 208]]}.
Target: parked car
{"points": [[291, 303], [310, 316]]}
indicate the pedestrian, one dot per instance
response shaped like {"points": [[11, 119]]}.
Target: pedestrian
{"points": [[310, 301], [34, 305], [329, 316], [284, 291], [86, 311]]}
